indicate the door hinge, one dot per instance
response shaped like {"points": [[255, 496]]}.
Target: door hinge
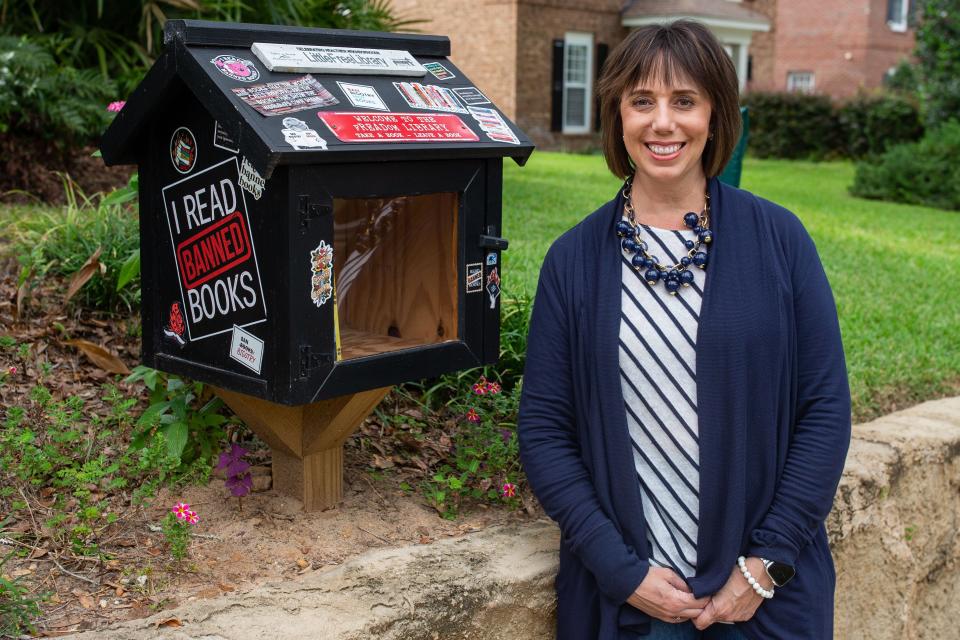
{"points": [[312, 210], [310, 361]]}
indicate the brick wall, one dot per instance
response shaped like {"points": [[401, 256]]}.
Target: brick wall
{"points": [[540, 22], [847, 45], [483, 41], [763, 47]]}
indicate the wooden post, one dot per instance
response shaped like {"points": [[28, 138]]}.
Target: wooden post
{"points": [[306, 440]]}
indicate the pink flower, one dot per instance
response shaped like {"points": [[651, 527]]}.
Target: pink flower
{"points": [[12, 370], [480, 388], [473, 416], [181, 510], [493, 387], [192, 517], [114, 107], [509, 490]]}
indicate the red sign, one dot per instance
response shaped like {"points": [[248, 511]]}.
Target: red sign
{"points": [[216, 249], [397, 127]]}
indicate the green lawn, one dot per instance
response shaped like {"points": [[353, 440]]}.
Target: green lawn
{"points": [[893, 267]]}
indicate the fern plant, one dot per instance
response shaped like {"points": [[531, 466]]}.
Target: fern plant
{"points": [[59, 103]]}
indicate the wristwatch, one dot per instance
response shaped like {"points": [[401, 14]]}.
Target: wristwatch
{"points": [[779, 572]]}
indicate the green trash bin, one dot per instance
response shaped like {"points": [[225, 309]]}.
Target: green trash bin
{"points": [[731, 173]]}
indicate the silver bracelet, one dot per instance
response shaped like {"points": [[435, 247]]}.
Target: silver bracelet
{"points": [[763, 593]]}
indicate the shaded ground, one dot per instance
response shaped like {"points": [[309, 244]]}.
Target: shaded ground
{"points": [[29, 168]]}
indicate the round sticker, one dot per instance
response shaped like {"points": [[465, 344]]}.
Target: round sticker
{"points": [[236, 68], [183, 150]]}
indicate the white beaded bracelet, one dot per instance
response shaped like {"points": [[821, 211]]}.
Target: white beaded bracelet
{"points": [[763, 593]]}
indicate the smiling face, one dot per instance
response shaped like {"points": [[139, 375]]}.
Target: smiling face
{"points": [[665, 129]]}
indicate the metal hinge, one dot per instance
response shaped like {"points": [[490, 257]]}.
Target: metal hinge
{"points": [[310, 361], [311, 210]]}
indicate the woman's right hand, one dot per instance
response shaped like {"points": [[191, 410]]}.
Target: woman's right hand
{"points": [[665, 596]]}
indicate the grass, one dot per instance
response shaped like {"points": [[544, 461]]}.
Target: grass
{"points": [[892, 267]]}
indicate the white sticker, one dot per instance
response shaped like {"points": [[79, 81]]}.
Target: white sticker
{"points": [[363, 96], [250, 180], [247, 349], [299, 135], [354, 60]]}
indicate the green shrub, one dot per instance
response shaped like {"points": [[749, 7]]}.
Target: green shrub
{"points": [[59, 242], [874, 123], [792, 125], [938, 55], [182, 415], [926, 172], [56, 102]]}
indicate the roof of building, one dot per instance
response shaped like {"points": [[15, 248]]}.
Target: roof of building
{"points": [[724, 10], [447, 97]]}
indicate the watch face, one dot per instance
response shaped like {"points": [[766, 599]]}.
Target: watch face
{"points": [[780, 573]]}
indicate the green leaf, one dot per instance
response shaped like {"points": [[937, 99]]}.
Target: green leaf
{"points": [[153, 414], [129, 270], [176, 434]]}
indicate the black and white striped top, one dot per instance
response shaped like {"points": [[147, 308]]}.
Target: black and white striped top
{"points": [[658, 335]]}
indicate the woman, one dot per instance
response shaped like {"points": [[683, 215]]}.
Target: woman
{"points": [[685, 412]]}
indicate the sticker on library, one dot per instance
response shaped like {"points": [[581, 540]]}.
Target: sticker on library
{"points": [[236, 68], [493, 287], [175, 327], [250, 180], [491, 259], [321, 273], [439, 71], [375, 126], [362, 96], [429, 96], [287, 96], [299, 58], [247, 349], [183, 150], [213, 253], [299, 135], [222, 139], [471, 96], [475, 277], [493, 125]]}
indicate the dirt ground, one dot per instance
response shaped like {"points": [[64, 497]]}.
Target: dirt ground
{"points": [[234, 549]]}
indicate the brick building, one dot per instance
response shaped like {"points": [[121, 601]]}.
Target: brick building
{"points": [[539, 59]]}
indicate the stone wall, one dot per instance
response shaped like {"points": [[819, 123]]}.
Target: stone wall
{"points": [[893, 530]]}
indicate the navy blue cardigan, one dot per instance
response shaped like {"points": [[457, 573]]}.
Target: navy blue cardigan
{"points": [[773, 410]]}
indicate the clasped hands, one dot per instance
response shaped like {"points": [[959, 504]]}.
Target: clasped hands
{"points": [[665, 596]]}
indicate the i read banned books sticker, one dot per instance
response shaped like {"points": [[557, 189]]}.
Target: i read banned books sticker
{"points": [[215, 259]]}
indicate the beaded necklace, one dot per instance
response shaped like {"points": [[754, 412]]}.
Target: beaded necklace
{"points": [[676, 276]]}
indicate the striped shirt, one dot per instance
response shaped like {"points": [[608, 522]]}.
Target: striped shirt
{"points": [[658, 336]]}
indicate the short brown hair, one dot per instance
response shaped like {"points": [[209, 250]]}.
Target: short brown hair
{"points": [[683, 48]]}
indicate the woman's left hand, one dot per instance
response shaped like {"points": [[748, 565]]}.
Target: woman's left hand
{"points": [[736, 601]]}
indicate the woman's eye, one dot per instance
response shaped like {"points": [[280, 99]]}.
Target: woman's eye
{"points": [[685, 102]]}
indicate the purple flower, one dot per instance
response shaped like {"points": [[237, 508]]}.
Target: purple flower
{"points": [[239, 480]]}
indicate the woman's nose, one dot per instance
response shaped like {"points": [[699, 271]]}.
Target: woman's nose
{"points": [[662, 119]]}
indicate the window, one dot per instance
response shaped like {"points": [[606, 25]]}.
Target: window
{"points": [[898, 14], [800, 81], [577, 82]]}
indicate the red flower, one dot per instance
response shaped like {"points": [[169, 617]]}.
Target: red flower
{"points": [[493, 387], [481, 386], [509, 490], [473, 416]]}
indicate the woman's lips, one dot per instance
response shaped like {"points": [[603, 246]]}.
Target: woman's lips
{"points": [[664, 151]]}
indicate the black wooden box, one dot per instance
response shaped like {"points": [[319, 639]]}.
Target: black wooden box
{"points": [[310, 234]]}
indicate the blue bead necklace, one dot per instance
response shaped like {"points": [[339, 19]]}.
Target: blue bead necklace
{"points": [[676, 276]]}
